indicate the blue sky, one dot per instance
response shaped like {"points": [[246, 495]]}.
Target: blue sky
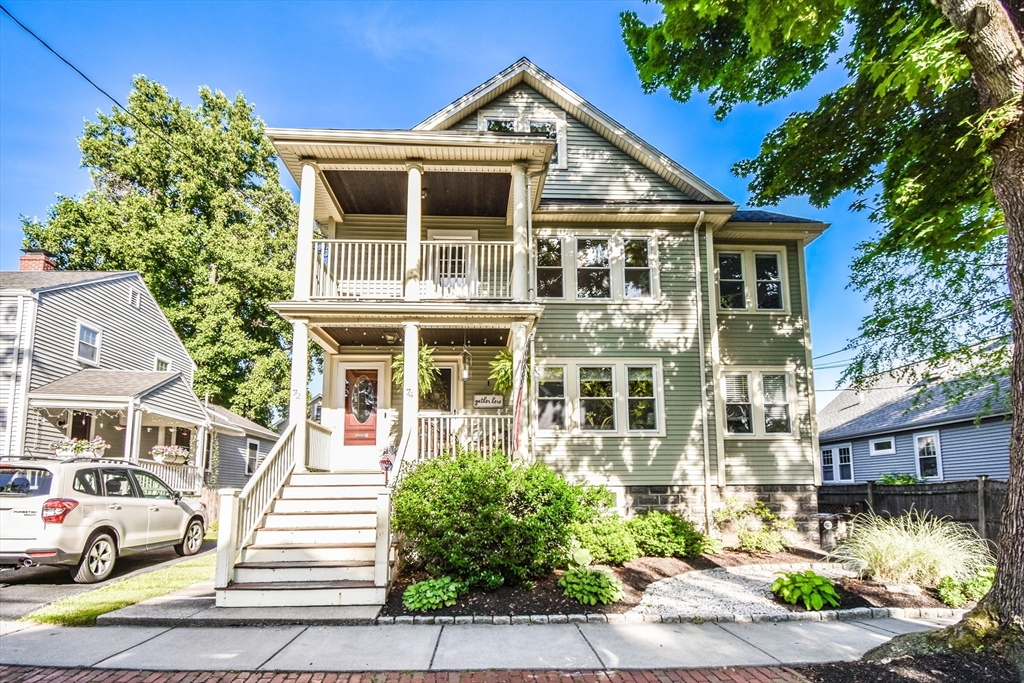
{"points": [[373, 65]]}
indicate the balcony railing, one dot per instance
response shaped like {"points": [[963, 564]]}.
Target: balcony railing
{"points": [[445, 433], [350, 269]]}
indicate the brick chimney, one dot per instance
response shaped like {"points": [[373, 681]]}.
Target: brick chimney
{"points": [[37, 259]]}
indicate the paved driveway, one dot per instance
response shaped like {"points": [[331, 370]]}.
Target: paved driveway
{"points": [[26, 590]]}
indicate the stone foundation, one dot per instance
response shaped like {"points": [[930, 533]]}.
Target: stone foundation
{"points": [[798, 502]]}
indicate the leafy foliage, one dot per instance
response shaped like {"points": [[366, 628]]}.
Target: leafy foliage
{"points": [[956, 593], [476, 518], [426, 369], [591, 586], [502, 372], [212, 255], [433, 594], [608, 538], [758, 529], [912, 548], [814, 589], [667, 534], [898, 478]]}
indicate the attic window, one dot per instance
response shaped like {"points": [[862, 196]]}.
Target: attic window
{"points": [[536, 121], [134, 298], [549, 128], [501, 125]]}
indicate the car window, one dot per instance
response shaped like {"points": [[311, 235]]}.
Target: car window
{"points": [[25, 481], [151, 486], [87, 482], [117, 483]]}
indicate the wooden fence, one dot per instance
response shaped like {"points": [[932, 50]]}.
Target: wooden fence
{"points": [[977, 502]]}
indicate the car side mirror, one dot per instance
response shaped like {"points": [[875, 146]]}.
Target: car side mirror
{"points": [[177, 496]]}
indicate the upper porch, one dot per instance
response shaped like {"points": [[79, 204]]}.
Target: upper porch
{"points": [[457, 208]]}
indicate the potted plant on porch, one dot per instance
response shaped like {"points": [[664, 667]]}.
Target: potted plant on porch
{"points": [[75, 448], [170, 455]]}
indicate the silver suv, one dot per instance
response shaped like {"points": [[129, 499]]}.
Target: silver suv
{"points": [[84, 513]]}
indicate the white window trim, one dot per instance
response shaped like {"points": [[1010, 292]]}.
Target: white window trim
{"points": [[99, 342], [566, 379], [938, 455], [750, 279], [455, 365], [521, 123], [256, 466], [134, 297], [619, 393], [757, 401], [835, 464], [888, 451], [616, 244], [157, 358]]}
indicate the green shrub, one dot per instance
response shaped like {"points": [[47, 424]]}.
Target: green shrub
{"points": [[477, 519], [912, 548], [591, 586], [608, 539], [897, 478], [667, 534], [432, 594], [956, 593], [814, 589], [758, 529]]}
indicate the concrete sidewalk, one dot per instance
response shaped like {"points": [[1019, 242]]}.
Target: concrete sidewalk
{"points": [[449, 648]]}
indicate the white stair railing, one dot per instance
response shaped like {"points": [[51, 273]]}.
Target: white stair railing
{"points": [[355, 269], [241, 512], [465, 270], [445, 433], [183, 478], [318, 446], [382, 548]]}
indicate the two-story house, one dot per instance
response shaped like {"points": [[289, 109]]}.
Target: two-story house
{"points": [[658, 336], [89, 354]]}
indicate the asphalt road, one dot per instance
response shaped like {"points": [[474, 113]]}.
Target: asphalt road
{"points": [[26, 590]]}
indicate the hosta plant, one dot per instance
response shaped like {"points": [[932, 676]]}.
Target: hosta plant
{"points": [[432, 594], [813, 589], [591, 586]]}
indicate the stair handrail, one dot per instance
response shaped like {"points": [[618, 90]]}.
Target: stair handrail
{"points": [[382, 547], [241, 512]]}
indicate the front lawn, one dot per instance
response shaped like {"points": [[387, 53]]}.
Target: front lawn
{"points": [[82, 609]]}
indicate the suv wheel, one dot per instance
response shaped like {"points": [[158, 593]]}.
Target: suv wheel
{"points": [[97, 560], [193, 540]]}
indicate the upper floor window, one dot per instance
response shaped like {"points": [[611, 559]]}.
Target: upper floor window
{"points": [[551, 397], [87, 344], [495, 125], [162, 364], [601, 267], [537, 121], [757, 403], [748, 276]]}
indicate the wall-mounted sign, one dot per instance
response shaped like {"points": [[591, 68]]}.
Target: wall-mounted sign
{"points": [[488, 400]]}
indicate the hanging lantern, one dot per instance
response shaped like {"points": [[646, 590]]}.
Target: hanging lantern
{"points": [[466, 361]]}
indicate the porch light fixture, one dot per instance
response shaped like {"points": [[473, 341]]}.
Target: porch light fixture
{"points": [[466, 360]]}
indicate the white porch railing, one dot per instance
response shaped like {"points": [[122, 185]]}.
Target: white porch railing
{"points": [[445, 433], [318, 446], [241, 513], [465, 270], [351, 269], [184, 478]]}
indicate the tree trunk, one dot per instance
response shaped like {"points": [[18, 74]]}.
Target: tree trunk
{"points": [[993, 46]]}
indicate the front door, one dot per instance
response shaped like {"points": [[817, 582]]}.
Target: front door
{"points": [[360, 407]]}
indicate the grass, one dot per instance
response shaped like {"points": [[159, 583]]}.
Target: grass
{"points": [[82, 609], [211, 533]]}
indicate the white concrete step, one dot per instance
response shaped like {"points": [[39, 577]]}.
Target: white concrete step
{"points": [[294, 572], [325, 520], [337, 478], [326, 536], [310, 492], [301, 594], [312, 552], [325, 505]]}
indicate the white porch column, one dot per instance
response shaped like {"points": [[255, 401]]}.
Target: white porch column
{"points": [[131, 433], [520, 238], [411, 385], [200, 454], [413, 228], [304, 243], [297, 406], [521, 424]]}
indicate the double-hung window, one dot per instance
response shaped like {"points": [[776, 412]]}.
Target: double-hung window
{"points": [[596, 267], [751, 280], [252, 456], [550, 274], [636, 268], [551, 398], [87, 344], [837, 464], [593, 268], [597, 399], [929, 456], [757, 403], [641, 399]]}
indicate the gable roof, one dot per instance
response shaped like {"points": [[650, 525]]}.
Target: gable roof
{"points": [[526, 72], [222, 416], [96, 382], [882, 408], [35, 280]]}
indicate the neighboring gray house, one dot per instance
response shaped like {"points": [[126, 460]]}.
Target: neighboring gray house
{"points": [[236, 448], [863, 435], [86, 354]]}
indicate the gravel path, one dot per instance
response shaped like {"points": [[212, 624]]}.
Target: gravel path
{"points": [[731, 590]]}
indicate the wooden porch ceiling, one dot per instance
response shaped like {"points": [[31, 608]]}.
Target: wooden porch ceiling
{"points": [[435, 336], [447, 193]]}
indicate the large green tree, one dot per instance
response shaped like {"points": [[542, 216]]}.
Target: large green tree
{"points": [[928, 128], [191, 198]]}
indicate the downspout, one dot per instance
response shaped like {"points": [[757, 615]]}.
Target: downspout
{"points": [[703, 375]]}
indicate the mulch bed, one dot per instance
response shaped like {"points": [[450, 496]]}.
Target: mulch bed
{"points": [[947, 668], [546, 597]]}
